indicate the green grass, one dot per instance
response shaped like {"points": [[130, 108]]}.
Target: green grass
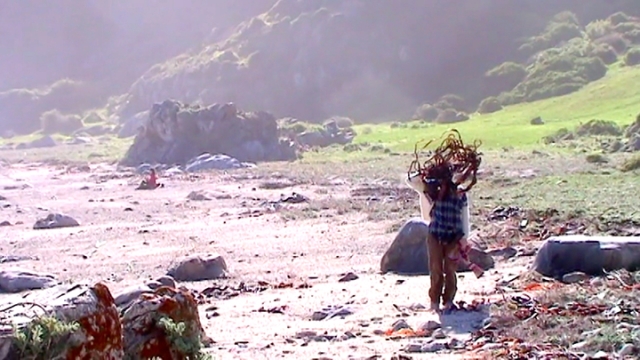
{"points": [[614, 97]]}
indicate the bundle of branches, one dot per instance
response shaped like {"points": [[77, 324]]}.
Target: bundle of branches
{"points": [[451, 160]]}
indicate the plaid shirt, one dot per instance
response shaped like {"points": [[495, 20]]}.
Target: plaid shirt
{"points": [[446, 217]]}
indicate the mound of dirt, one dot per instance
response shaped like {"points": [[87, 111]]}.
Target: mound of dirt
{"points": [[175, 132]]}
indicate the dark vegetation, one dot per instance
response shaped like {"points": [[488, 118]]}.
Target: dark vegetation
{"points": [[312, 59]]}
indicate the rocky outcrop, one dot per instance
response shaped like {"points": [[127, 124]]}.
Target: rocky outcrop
{"points": [[83, 322], [561, 255], [175, 132], [93, 328], [150, 326]]}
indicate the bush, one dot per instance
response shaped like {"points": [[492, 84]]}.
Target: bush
{"points": [[451, 101], [489, 105], [617, 41], [618, 18], [633, 163], [53, 121], [426, 112], [632, 57], [598, 28], [506, 76], [450, 116], [605, 53], [596, 158], [633, 36]]}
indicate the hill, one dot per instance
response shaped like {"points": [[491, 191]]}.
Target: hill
{"points": [[376, 60]]}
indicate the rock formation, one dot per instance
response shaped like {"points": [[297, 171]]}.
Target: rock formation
{"points": [[175, 132]]}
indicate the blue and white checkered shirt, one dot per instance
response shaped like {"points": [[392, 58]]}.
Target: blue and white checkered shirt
{"points": [[446, 217]]}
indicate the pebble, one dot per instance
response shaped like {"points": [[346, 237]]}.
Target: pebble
{"points": [[600, 355], [430, 325], [438, 334], [596, 282], [492, 346], [574, 277], [580, 345]]}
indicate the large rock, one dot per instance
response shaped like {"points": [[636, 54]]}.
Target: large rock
{"points": [[560, 255], [144, 323], [175, 132], [408, 252], [197, 268], [98, 334], [18, 280], [207, 161]]}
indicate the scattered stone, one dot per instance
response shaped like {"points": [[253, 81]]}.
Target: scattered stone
{"points": [[430, 326], [18, 280], [16, 258], [130, 294], [574, 277], [55, 221], [202, 195], [331, 312], [145, 322], [399, 325], [166, 280], [207, 162], [197, 268], [348, 277], [438, 334], [5, 223], [408, 251]]}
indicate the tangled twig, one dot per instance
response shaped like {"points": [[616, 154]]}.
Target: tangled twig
{"points": [[453, 155]]}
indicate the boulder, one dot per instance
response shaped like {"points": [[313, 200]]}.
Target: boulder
{"points": [[197, 268], [408, 252], [146, 325], [592, 255], [18, 280], [207, 162], [54, 221], [175, 132], [97, 333]]}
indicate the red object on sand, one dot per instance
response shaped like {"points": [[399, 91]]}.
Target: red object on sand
{"points": [[152, 179]]}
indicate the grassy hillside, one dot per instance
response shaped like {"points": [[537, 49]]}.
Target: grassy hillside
{"points": [[616, 97]]}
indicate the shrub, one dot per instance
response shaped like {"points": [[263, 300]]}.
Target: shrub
{"points": [[506, 76], [53, 121], [598, 28], [632, 57], [633, 36], [596, 158], [343, 122], [632, 163], [489, 105], [426, 112], [451, 101], [92, 118], [605, 53], [450, 116], [617, 41], [618, 18]]}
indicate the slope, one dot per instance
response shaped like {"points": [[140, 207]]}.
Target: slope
{"points": [[614, 97]]}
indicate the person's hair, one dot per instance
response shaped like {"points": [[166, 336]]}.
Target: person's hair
{"points": [[452, 162]]}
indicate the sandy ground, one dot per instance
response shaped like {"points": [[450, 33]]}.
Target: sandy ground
{"points": [[128, 236]]}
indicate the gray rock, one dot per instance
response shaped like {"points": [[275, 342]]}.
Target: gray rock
{"points": [[438, 334], [408, 251], [18, 280], [197, 268], [167, 281], [207, 161], [574, 277], [43, 142], [430, 326], [400, 324], [54, 221], [129, 294], [560, 255]]}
